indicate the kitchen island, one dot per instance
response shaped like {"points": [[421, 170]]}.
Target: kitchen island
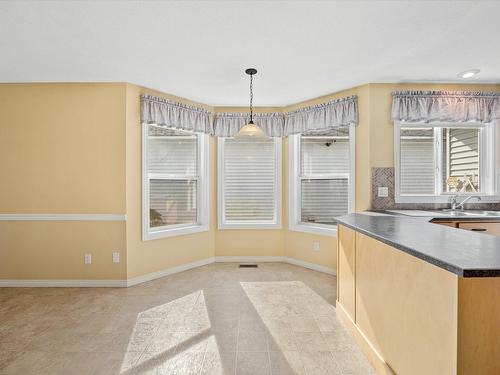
{"points": [[418, 297]]}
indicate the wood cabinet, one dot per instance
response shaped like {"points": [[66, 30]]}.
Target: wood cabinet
{"points": [[410, 317], [452, 224], [346, 255], [481, 227]]}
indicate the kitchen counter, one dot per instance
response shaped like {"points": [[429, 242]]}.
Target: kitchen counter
{"points": [[465, 253], [420, 297]]}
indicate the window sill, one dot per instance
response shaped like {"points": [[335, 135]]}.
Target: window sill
{"points": [[172, 232], [445, 198], [314, 229], [263, 226]]}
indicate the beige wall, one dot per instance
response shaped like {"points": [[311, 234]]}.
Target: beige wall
{"points": [[78, 150], [61, 151], [55, 250], [155, 255], [62, 148]]}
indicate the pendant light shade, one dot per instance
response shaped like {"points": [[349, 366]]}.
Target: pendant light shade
{"points": [[251, 130]]}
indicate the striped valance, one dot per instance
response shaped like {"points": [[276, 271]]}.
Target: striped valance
{"points": [[445, 106], [332, 114], [228, 124], [171, 114]]}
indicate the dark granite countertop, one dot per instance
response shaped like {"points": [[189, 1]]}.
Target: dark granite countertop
{"points": [[439, 215], [465, 253]]}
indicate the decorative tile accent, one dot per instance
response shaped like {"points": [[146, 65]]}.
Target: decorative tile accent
{"points": [[382, 177], [385, 177]]}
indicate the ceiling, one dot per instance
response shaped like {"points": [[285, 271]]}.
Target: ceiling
{"points": [[199, 49]]}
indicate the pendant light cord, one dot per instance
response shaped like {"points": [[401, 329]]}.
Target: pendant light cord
{"points": [[251, 98]]}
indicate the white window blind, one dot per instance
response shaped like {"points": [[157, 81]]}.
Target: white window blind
{"points": [[172, 185], [417, 168], [249, 183], [441, 159], [324, 178]]}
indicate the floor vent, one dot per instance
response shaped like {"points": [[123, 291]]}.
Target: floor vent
{"points": [[248, 265]]}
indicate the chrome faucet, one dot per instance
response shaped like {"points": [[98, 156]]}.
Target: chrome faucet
{"points": [[456, 206]]}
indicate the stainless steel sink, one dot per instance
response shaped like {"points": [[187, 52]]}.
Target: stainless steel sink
{"points": [[463, 213]]}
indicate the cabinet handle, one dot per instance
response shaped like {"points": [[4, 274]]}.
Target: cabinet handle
{"points": [[479, 229]]}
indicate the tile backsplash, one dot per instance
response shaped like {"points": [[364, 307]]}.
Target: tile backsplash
{"points": [[385, 177]]}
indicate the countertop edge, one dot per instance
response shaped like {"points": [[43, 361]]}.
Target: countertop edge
{"points": [[457, 270]]}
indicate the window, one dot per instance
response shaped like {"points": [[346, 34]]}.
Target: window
{"points": [[249, 183], [438, 160], [175, 186], [321, 179]]}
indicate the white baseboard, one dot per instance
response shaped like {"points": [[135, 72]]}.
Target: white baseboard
{"points": [[63, 283], [248, 259], [168, 271], [155, 275], [311, 266]]}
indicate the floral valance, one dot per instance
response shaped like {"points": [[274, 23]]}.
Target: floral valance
{"points": [[445, 106], [228, 124], [171, 114], [332, 114]]}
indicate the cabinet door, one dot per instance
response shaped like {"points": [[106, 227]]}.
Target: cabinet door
{"points": [[484, 227], [346, 272]]}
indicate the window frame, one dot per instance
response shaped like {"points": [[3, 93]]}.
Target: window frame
{"points": [[295, 179], [202, 186], [223, 224], [488, 159]]}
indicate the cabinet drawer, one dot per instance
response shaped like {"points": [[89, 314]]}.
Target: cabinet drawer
{"points": [[447, 223], [490, 228]]}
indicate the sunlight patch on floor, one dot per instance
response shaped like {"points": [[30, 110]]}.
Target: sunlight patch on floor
{"points": [[177, 335]]}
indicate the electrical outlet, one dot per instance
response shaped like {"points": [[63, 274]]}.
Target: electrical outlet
{"points": [[316, 246], [116, 257], [383, 191], [88, 258]]}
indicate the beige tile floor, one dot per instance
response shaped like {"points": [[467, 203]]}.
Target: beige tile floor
{"points": [[219, 319]]}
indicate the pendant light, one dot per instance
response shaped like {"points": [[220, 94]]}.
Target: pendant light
{"points": [[251, 130]]}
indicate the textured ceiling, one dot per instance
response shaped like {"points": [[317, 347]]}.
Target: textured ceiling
{"points": [[199, 50]]}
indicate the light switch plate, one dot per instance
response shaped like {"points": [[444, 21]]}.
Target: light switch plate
{"points": [[383, 191], [116, 257]]}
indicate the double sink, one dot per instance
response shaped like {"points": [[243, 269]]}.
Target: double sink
{"points": [[444, 213], [468, 213]]}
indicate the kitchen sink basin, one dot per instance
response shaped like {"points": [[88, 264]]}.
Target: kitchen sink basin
{"points": [[470, 213]]}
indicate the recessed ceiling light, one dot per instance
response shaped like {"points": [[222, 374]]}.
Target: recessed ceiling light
{"points": [[468, 73]]}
